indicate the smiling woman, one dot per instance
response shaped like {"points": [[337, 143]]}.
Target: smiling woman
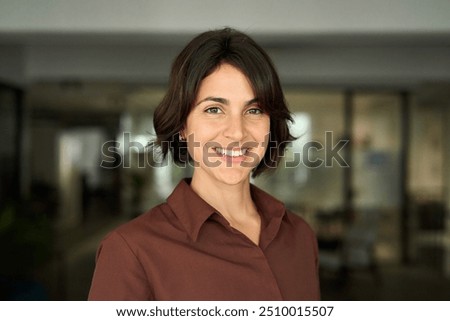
{"points": [[225, 129], [217, 237], [199, 59]]}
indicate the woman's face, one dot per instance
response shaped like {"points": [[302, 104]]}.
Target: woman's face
{"points": [[226, 131]]}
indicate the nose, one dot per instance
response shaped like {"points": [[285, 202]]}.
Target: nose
{"points": [[235, 128]]}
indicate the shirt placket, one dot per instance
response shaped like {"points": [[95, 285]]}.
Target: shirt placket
{"points": [[270, 276]]}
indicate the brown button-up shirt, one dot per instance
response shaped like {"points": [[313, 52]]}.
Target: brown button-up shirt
{"points": [[185, 250]]}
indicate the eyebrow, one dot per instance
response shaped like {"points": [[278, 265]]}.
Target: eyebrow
{"points": [[225, 101]]}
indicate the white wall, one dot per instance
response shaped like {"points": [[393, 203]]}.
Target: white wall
{"points": [[12, 64]]}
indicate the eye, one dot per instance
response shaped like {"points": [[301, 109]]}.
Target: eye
{"points": [[213, 110], [255, 111]]}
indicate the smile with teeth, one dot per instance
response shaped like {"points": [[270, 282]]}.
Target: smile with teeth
{"points": [[232, 152]]}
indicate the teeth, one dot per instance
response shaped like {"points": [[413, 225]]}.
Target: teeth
{"points": [[231, 153]]}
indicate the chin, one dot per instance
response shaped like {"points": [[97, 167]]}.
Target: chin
{"points": [[234, 176]]}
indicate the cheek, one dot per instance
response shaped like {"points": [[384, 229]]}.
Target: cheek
{"points": [[261, 132], [263, 137], [206, 133], [197, 138]]}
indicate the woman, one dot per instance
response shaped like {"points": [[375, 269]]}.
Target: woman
{"points": [[217, 237]]}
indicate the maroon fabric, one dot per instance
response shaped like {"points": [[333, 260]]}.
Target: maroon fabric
{"points": [[185, 250]]}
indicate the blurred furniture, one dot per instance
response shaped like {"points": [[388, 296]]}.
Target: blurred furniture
{"points": [[430, 236], [354, 248]]}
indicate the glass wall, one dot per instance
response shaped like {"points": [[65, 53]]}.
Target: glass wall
{"points": [[309, 180], [429, 174], [344, 174], [376, 170]]}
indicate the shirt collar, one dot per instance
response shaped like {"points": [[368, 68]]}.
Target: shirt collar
{"points": [[193, 211]]}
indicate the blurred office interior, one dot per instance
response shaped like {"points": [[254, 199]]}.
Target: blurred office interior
{"points": [[78, 85]]}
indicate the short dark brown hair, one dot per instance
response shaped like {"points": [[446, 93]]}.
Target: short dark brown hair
{"points": [[201, 57]]}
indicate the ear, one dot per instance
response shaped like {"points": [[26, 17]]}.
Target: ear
{"points": [[181, 135]]}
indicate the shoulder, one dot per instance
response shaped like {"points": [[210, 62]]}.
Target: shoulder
{"points": [[155, 223], [299, 224], [159, 214], [302, 233], [272, 207], [297, 219]]}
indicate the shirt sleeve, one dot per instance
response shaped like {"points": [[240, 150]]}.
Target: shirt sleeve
{"points": [[118, 275]]}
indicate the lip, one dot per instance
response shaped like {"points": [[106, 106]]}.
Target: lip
{"points": [[234, 155]]}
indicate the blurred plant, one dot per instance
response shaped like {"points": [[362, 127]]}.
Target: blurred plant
{"points": [[25, 242]]}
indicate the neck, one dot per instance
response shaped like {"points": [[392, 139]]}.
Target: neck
{"points": [[234, 202]]}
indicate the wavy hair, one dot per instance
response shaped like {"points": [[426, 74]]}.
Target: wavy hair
{"points": [[201, 57]]}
